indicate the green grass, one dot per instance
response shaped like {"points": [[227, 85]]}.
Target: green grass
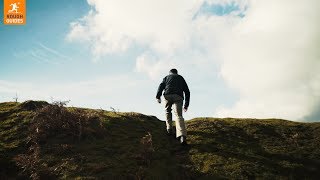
{"points": [[218, 148]]}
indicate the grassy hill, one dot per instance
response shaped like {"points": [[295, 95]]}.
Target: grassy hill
{"points": [[40, 140]]}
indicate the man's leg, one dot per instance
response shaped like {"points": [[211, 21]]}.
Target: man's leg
{"points": [[180, 125], [168, 105]]}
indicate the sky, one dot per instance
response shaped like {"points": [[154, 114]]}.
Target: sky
{"points": [[240, 58]]}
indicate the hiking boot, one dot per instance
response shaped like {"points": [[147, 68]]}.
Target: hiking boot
{"points": [[183, 140]]}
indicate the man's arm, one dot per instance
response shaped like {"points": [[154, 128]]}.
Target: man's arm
{"points": [[187, 95], [161, 88]]}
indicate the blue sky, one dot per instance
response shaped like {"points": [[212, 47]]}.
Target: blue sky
{"points": [[48, 25], [115, 54], [38, 53], [219, 9]]}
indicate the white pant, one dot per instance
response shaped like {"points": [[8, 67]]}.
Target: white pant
{"points": [[177, 102]]}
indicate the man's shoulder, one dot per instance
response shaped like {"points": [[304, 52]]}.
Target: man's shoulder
{"points": [[180, 77], [174, 75]]}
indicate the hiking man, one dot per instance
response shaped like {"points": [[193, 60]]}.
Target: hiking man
{"points": [[174, 86]]}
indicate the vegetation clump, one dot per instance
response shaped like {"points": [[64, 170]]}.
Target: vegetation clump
{"points": [[33, 105], [52, 123]]}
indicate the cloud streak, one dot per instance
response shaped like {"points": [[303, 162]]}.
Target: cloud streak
{"points": [[53, 52], [42, 54]]}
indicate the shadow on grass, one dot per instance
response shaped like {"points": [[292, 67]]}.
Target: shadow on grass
{"points": [[234, 143]]}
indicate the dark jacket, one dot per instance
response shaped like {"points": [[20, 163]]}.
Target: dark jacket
{"points": [[174, 84]]}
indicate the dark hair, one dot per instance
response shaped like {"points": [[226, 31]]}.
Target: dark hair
{"points": [[174, 71]]}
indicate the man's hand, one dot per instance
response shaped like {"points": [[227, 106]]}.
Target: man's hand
{"points": [[185, 109], [159, 101]]}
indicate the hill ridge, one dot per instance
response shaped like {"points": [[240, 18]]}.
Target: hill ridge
{"points": [[41, 140]]}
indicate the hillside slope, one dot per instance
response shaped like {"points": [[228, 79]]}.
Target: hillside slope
{"points": [[40, 140]]}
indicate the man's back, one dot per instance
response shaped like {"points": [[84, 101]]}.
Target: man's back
{"points": [[174, 84]]}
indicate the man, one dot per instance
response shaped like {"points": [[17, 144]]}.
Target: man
{"points": [[174, 86]]}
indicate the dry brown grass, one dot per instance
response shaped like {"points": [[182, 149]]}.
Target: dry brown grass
{"points": [[55, 121]]}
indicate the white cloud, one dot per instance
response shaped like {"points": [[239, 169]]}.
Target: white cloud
{"points": [[92, 93], [271, 60], [115, 25], [147, 63], [269, 57]]}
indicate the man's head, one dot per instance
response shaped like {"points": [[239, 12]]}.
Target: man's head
{"points": [[173, 71]]}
